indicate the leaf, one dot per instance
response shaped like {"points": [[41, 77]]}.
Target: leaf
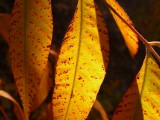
{"points": [[17, 114], [48, 81], [16, 105], [49, 111], [129, 36], [44, 88], [30, 39], [80, 68], [4, 25], [97, 105], [141, 101]]}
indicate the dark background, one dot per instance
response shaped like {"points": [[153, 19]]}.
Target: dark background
{"points": [[122, 69]]}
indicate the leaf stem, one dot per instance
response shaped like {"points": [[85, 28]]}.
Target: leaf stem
{"points": [[155, 43], [145, 42]]}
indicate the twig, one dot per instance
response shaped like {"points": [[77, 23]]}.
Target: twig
{"points": [[145, 42]]}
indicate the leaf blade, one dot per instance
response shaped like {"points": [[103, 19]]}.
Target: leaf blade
{"points": [[143, 94], [129, 36], [30, 38], [77, 82], [44, 87], [4, 23]]}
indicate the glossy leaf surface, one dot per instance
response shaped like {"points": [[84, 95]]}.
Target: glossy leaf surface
{"points": [[30, 39], [130, 37], [141, 101], [81, 65]]}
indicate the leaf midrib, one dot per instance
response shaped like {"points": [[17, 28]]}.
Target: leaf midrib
{"points": [[78, 54], [25, 55]]}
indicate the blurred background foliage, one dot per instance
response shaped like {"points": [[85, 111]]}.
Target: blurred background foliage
{"points": [[122, 69]]}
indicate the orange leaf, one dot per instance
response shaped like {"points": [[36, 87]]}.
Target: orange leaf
{"points": [[4, 25], [49, 111], [130, 37], [141, 101], [44, 88], [80, 68], [30, 39]]}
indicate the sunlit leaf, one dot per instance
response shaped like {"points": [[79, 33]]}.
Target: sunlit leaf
{"points": [[16, 105], [141, 101], [44, 88], [4, 25], [80, 68], [129, 36], [48, 81], [30, 39]]}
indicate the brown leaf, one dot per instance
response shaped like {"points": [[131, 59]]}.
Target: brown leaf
{"points": [[4, 26]]}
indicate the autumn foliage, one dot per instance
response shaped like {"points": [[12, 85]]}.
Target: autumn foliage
{"points": [[81, 62]]}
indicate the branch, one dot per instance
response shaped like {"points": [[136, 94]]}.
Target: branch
{"points": [[145, 42]]}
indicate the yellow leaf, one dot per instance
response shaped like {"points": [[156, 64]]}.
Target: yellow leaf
{"points": [[48, 81], [44, 88], [4, 25], [30, 39], [141, 101], [129, 36], [80, 68], [16, 105]]}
